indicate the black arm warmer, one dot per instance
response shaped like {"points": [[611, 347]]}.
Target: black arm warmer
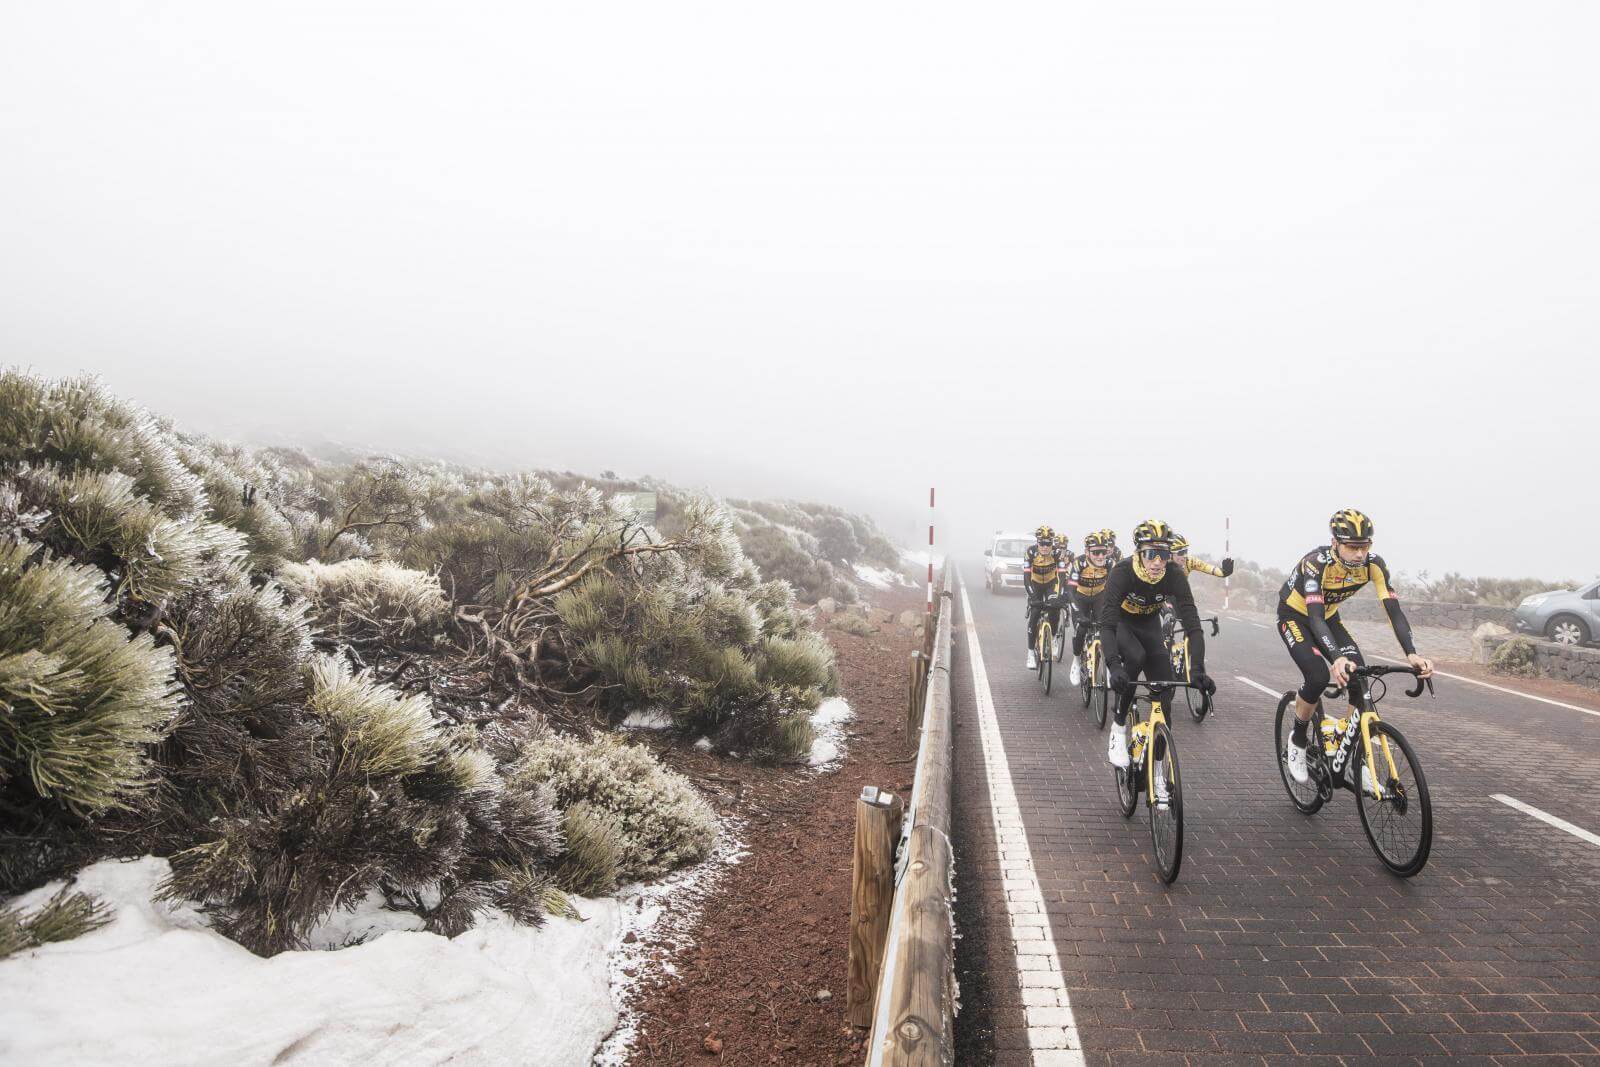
{"points": [[1402, 628]]}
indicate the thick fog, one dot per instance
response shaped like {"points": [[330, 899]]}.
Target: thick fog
{"points": [[1077, 263]]}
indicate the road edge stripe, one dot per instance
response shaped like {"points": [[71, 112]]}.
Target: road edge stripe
{"points": [[1052, 1027]]}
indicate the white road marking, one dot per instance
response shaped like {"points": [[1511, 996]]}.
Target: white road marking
{"points": [[1545, 816], [1258, 625], [1501, 689], [1052, 1028], [1257, 685]]}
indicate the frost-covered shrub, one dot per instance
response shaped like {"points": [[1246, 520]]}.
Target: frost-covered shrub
{"points": [[81, 700], [661, 821], [724, 660], [76, 424], [385, 802], [593, 854], [370, 600], [1515, 657]]}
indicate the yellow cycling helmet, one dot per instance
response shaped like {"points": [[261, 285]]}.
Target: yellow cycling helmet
{"points": [[1097, 539], [1109, 536], [1348, 524], [1152, 531], [1044, 533], [1180, 543]]}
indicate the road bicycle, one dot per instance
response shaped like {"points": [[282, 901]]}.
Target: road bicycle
{"points": [[1178, 651], [1092, 681], [1372, 759], [1153, 770], [1044, 639]]}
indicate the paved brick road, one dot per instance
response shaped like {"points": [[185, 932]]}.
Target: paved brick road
{"points": [[1284, 937]]}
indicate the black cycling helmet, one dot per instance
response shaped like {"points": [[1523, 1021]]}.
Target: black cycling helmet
{"points": [[1348, 524], [1152, 531]]}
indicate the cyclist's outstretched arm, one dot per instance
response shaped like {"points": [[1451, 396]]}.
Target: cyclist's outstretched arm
{"points": [[1189, 616], [1207, 568]]}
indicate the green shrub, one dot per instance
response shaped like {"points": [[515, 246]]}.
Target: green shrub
{"points": [[850, 623], [1514, 657], [663, 824], [61, 918]]}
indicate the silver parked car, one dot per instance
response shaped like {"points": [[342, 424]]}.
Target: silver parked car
{"points": [[1569, 616]]}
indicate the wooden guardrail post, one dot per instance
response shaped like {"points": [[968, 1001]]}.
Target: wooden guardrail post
{"points": [[871, 896]]}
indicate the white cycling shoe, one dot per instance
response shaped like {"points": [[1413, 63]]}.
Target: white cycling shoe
{"points": [[1033, 660], [1368, 786], [1163, 796], [1117, 751], [1075, 675], [1294, 757]]}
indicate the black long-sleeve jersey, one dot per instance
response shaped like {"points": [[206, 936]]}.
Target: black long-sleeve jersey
{"points": [[1131, 596], [1321, 582]]}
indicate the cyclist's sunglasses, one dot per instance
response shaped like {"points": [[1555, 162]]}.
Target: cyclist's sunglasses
{"points": [[1099, 552], [1364, 546], [1150, 555]]}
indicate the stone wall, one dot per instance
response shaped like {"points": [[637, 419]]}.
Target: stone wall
{"points": [[1563, 663], [1368, 608], [1426, 613]]}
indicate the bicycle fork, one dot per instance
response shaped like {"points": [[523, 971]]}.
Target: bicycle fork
{"points": [[1339, 738]]}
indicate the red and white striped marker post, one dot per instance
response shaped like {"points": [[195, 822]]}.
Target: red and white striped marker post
{"points": [[927, 612], [1227, 536]]}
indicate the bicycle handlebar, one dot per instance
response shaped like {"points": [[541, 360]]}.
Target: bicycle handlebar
{"points": [[1379, 672], [1153, 686]]}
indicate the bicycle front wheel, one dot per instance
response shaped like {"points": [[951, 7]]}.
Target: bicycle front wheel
{"points": [[1102, 694], [1046, 663], [1165, 799], [1399, 824]]}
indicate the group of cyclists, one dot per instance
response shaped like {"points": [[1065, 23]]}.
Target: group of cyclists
{"points": [[1126, 598]]}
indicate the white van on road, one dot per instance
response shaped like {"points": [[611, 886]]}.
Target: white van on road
{"points": [[1002, 564]]}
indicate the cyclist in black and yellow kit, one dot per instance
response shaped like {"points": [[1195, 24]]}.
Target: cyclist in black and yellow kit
{"points": [[1130, 629], [1085, 582], [1181, 558], [1042, 576], [1308, 622]]}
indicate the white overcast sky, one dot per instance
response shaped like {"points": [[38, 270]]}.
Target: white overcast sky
{"points": [[1070, 262]]}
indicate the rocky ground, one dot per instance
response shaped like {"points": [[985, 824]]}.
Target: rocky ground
{"points": [[763, 978]]}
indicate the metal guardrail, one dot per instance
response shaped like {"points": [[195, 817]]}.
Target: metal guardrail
{"points": [[914, 1014]]}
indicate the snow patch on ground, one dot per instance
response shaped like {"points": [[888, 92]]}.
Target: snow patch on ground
{"points": [[157, 986], [879, 577], [827, 751], [660, 918], [648, 719], [918, 557]]}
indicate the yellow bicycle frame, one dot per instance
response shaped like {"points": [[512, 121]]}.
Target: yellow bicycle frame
{"points": [[1140, 735], [1332, 731]]}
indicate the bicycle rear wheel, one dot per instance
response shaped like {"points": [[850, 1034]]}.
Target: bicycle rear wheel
{"points": [[1127, 780], [1400, 825], [1166, 814], [1309, 797]]}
